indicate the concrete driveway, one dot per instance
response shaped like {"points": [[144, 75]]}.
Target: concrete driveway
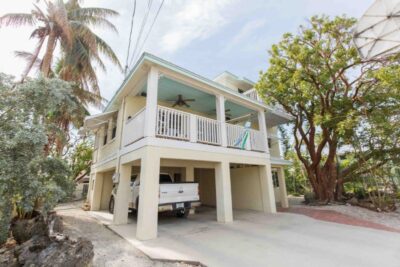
{"points": [[256, 239]]}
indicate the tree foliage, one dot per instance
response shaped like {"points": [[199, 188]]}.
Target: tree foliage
{"points": [[29, 177], [335, 98]]}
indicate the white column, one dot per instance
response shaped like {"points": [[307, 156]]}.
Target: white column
{"points": [[263, 128], [96, 193], [220, 108], [223, 191], [189, 173], [282, 188], [193, 128], [147, 218], [121, 200], [267, 189], [102, 135], [90, 186], [151, 103], [110, 129]]}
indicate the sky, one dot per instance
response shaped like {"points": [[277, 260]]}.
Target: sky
{"points": [[204, 36]]}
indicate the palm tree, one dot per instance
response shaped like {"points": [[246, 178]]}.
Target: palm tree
{"points": [[68, 25]]}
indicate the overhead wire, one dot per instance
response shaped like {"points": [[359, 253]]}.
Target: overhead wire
{"points": [[150, 2], [148, 33], [130, 37]]}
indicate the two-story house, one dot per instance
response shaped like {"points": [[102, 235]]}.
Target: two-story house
{"points": [[166, 118]]}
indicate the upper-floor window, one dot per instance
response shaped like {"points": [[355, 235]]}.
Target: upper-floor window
{"points": [[269, 143], [114, 132], [105, 140], [240, 90]]}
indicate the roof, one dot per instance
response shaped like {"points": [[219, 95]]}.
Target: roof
{"points": [[147, 57]]}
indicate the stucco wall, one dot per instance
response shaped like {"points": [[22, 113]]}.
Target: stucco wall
{"points": [[106, 190], [206, 180], [246, 188]]}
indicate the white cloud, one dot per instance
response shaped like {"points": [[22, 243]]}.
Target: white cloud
{"points": [[249, 28], [193, 20]]}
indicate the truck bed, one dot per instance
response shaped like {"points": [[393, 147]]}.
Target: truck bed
{"points": [[178, 192]]}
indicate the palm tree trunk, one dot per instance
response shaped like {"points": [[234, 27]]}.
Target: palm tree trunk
{"points": [[48, 56]]}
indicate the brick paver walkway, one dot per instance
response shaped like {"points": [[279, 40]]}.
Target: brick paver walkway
{"points": [[337, 217]]}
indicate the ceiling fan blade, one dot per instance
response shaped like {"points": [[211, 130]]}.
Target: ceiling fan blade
{"points": [[189, 100], [175, 104], [188, 106]]}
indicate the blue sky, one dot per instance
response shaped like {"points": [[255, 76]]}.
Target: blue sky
{"points": [[204, 36]]}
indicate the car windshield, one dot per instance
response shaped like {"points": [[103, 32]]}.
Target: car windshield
{"points": [[165, 179]]}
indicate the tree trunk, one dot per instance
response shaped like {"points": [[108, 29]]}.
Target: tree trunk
{"points": [[48, 56]]}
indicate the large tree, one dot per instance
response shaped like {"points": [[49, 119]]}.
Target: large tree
{"points": [[68, 27], [335, 98]]}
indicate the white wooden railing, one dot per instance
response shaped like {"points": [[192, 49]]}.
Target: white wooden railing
{"points": [[134, 128], [176, 124], [257, 141], [208, 131], [172, 123], [252, 93], [234, 132]]}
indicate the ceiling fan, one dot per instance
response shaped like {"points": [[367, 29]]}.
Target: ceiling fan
{"points": [[180, 101]]}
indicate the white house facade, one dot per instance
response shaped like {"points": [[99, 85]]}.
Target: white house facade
{"points": [[143, 129]]}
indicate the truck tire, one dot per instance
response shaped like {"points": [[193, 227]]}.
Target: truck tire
{"points": [[182, 213], [111, 205]]}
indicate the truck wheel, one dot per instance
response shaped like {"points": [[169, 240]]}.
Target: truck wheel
{"points": [[111, 205], [183, 213]]}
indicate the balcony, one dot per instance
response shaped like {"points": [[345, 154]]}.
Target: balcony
{"points": [[178, 125]]}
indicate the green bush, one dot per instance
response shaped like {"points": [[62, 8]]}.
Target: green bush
{"points": [[360, 193]]}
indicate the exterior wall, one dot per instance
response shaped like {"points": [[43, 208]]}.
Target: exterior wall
{"points": [[246, 192], [207, 191], [106, 190], [133, 104]]}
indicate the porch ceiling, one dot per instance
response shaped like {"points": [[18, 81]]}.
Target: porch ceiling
{"points": [[169, 89]]}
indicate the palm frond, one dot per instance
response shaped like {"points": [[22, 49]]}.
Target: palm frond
{"points": [[32, 59], [93, 11], [86, 35], [97, 21], [59, 16], [107, 51], [17, 19]]}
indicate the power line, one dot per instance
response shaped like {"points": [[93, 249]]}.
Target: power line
{"points": [[141, 30], [130, 36], [151, 27]]}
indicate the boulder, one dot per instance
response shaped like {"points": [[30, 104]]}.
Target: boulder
{"points": [[68, 253], [24, 229]]}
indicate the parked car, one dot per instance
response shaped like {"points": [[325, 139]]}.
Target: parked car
{"points": [[178, 197]]}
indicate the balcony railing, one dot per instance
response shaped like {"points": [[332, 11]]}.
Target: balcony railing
{"points": [[184, 126]]}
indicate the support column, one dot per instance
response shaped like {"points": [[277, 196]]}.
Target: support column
{"points": [[110, 129], [90, 186], [189, 173], [95, 195], [220, 108], [267, 189], [151, 103], [121, 200], [147, 218], [223, 191], [263, 128], [282, 188]]}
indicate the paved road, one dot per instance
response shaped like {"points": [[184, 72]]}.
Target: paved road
{"points": [[109, 248]]}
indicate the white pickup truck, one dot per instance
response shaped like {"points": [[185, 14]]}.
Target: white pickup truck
{"points": [[178, 197]]}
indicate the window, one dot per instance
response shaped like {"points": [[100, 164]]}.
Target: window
{"points": [[105, 140], [269, 142], [240, 91], [114, 132], [275, 178]]}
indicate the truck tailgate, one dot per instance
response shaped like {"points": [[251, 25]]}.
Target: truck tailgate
{"points": [[179, 192]]}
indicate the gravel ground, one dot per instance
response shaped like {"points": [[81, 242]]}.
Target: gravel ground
{"points": [[109, 248], [391, 219]]}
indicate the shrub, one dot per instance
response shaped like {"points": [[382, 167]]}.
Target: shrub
{"points": [[309, 197]]}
